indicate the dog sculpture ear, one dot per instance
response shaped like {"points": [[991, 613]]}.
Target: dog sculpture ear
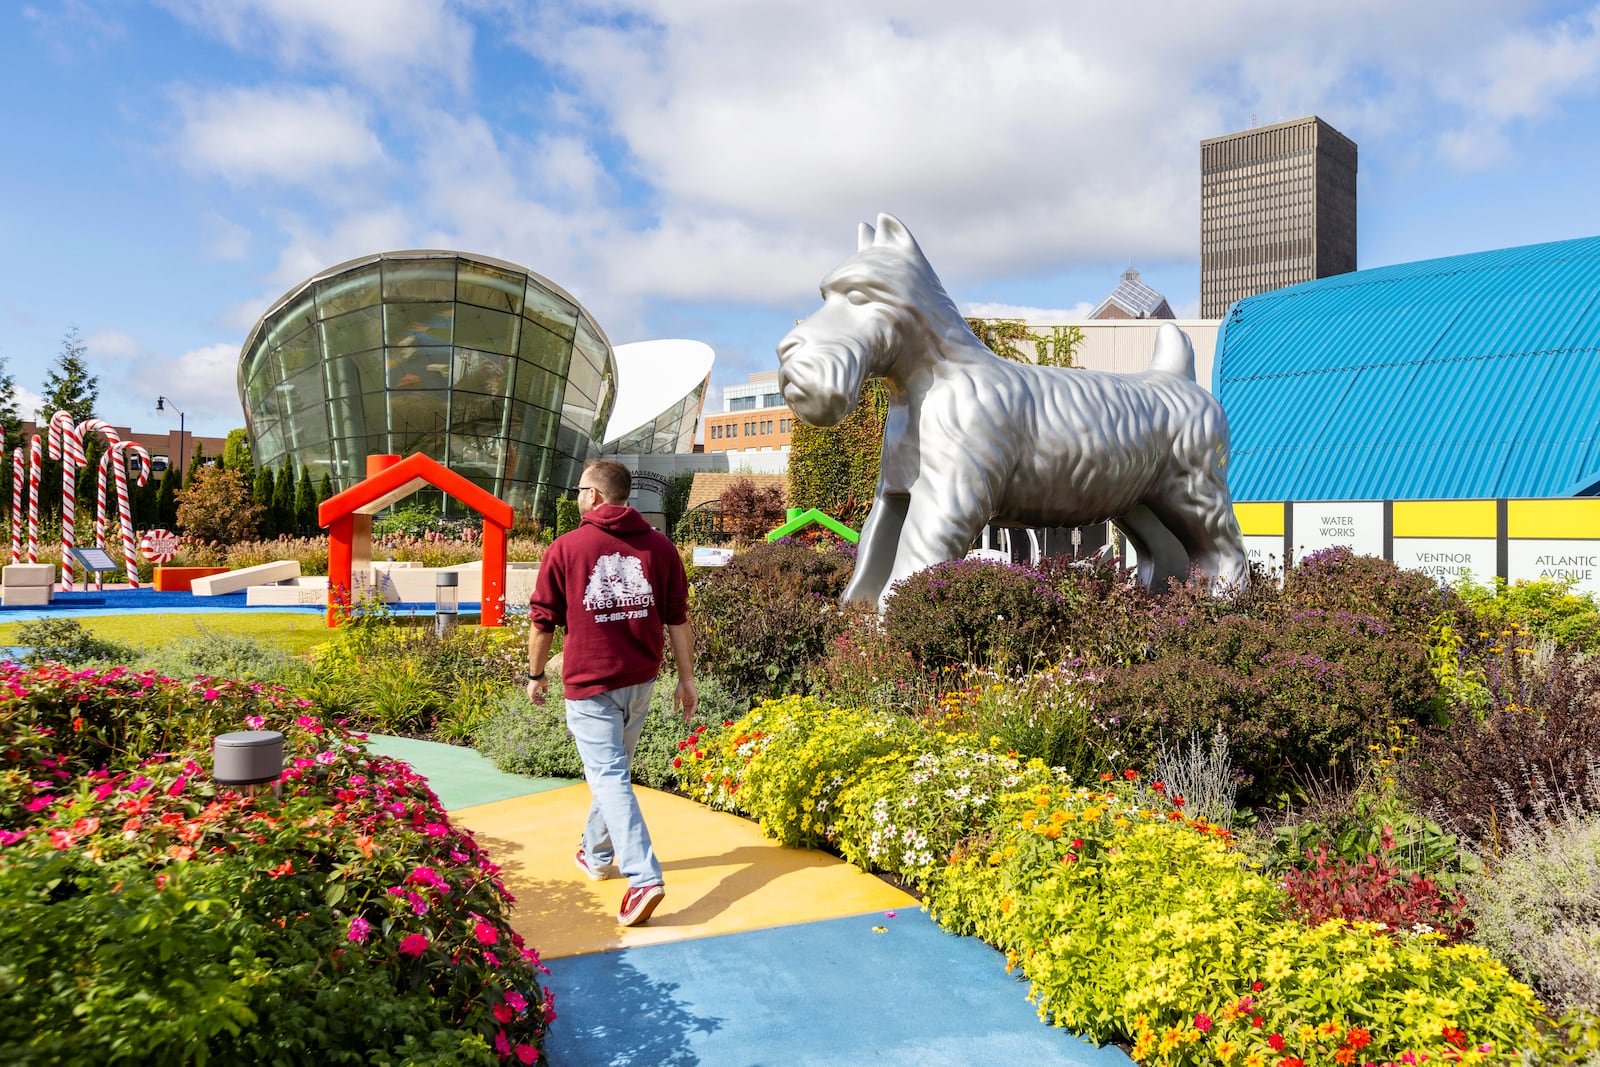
{"points": [[892, 231], [864, 238]]}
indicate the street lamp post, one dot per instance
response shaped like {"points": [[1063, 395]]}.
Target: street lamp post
{"points": [[161, 405]]}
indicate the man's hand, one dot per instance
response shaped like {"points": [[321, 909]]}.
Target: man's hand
{"points": [[537, 689], [685, 699]]}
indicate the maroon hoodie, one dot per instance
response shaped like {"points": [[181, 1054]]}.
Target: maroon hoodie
{"points": [[613, 582]]}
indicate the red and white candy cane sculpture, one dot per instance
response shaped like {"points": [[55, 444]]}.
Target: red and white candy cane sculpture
{"points": [[119, 465], [35, 466], [66, 444], [17, 475]]}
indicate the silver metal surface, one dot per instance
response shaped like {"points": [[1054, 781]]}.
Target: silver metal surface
{"points": [[972, 438]]}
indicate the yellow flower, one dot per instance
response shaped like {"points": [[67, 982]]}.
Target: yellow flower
{"points": [[1253, 1060], [1414, 998], [1226, 1051]]}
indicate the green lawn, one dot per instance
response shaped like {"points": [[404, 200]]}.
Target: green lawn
{"points": [[291, 631]]}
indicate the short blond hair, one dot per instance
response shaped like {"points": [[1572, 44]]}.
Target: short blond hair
{"points": [[611, 478]]}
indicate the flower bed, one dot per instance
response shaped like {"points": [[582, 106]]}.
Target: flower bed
{"points": [[151, 916], [1132, 921]]}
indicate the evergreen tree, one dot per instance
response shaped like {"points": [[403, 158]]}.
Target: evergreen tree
{"points": [[69, 386], [10, 414], [305, 503], [324, 487], [262, 491], [196, 461], [236, 452], [167, 500], [283, 497]]}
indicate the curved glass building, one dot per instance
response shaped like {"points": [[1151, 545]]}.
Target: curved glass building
{"points": [[480, 364], [661, 391]]}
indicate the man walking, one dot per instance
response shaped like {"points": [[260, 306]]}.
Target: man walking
{"points": [[612, 583]]}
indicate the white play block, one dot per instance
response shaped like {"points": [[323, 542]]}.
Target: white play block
{"points": [[26, 596], [303, 591], [263, 574], [16, 575]]}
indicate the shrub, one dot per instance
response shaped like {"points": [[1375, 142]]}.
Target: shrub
{"points": [[1106, 615], [218, 654], [152, 916], [1202, 774], [1481, 775], [1371, 890], [1337, 580], [763, 621], [1537, 907], [749, 510], [1302, 693], [66, 641], [218, 506], [521, 737], [975, 611], [1548, 607]]}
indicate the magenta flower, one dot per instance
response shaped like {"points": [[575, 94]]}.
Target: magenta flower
{"points": [[501, 1045], [255, 722], [516, 1000], [486, 934], [527, 1053], [39, 803], [178, 786], [413, 945], [359, 929], [210, 694], [326, 757]]}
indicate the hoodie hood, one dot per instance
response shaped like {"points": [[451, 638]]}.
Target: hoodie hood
{"points": [[618, 519]]}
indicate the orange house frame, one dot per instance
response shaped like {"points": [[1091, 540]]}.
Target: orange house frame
{"points": [[347, 516]]}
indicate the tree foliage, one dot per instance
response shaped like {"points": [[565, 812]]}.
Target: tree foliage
{"points": [[1013, 339], [10, 413], [751, 510], [236, 452], [69, 386], [835, 469], [217, 506]]}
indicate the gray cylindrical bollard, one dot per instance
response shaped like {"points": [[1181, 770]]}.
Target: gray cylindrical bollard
{"points": [[446, 604], [250, 759]]}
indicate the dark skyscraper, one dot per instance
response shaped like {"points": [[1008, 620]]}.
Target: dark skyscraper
{"points": [[1277, 207]]}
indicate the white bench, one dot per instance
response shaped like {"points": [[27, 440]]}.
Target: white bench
{"points": [[27, 584], [283, 570]]}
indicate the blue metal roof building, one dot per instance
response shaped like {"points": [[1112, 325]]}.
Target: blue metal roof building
{"points": [[1473, 376]]}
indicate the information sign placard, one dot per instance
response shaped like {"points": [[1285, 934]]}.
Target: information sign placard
{"points": [[1356, 525], [95, 559]]}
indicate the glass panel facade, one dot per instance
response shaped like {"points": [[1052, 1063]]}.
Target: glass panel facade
{"points": [[465, 361]]}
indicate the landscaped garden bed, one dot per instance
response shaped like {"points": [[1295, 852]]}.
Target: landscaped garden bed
{"points": [[154, 917]]}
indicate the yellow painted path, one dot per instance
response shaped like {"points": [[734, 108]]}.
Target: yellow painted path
{"points": [[721, 875]]}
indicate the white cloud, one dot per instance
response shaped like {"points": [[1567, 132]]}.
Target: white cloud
{"points": [[990, 310], [384, 43], [291, 134]]}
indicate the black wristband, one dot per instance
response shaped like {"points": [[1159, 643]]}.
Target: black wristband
{"points": [[536, 677]]}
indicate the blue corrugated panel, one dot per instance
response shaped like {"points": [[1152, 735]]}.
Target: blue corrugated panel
{"points": [[1465, 377]]}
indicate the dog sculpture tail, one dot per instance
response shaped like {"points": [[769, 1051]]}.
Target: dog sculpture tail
{"points": [[1173, 354]]}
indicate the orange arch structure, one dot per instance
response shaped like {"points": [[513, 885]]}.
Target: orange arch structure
{"points": [[347, 517]]}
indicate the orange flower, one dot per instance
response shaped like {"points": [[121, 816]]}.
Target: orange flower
{"points": [[364, 843]]}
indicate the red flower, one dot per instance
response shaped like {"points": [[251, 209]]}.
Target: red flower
{"points": [[1107, 776], [413, 945], [1202, 1023], [1130, 774], [1358, 1037], [1277, 1042], [486, 934], [1256, 987], [503, 1013]]}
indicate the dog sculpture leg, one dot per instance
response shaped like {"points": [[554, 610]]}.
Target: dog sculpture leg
{"points": [[875, 552], [934, 531], [1199, 513], [1161, 555]]}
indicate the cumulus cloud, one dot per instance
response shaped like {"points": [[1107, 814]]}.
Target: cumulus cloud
{"points": [[990, 310], [383, 43], [289, 134]]}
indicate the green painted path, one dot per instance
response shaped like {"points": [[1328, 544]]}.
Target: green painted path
{"points": [[460, 777]]}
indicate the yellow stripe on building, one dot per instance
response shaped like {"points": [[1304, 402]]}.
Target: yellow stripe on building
{"points": [[1259, 520], [1444, 518], [1553, 518]]}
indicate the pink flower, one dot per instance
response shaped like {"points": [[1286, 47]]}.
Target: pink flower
{"points": [[516, 1000], [255, 722], [424, 876], [326, 757], [359, 929], [210, 694], [503, 1013], [62, 839], [11, 837], [413, 945], [178, 786], [1202, 1022], [39, 803], [434, 829], [490, 958], [527, 1053], [486, 934], [889, 915], [501, 1045], [309, 723]]}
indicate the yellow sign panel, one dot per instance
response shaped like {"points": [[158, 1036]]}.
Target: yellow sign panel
{"points": [[1553, 519], [1444, 518], [1259, 520]]}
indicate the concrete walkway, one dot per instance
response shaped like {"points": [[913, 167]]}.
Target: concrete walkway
{"points": [[759, 954]]}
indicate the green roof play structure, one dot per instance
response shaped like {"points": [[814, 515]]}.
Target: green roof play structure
{"points": [[799, 520]]}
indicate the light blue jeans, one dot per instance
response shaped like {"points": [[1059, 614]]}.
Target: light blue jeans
{"points": [[607, 729]]}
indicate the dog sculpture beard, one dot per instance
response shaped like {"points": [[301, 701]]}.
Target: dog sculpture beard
{"points": [[973, 439]]}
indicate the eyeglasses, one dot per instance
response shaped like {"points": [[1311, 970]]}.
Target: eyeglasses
{"points": [[583, 488]]}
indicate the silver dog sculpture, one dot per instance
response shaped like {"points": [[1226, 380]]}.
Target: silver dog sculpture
{"points": [[973, 439]]}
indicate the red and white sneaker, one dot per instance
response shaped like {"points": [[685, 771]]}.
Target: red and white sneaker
{"points": [[639, 903], [595, 872]]}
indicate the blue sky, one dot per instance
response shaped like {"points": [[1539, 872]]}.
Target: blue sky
{"points": [[692, 168]]}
